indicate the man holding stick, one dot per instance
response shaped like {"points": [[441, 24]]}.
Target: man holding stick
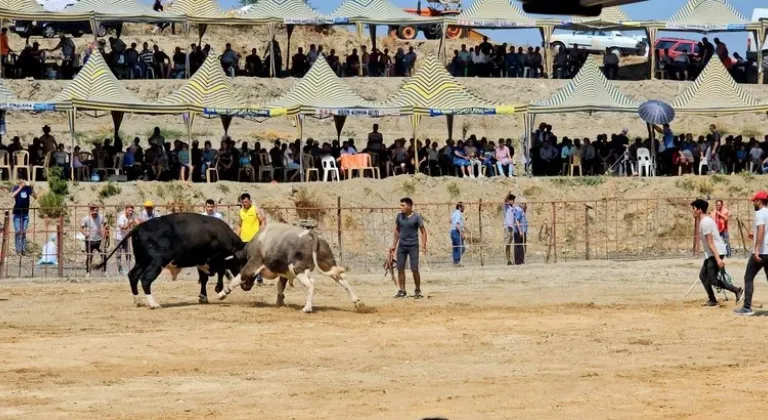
{"points": [[714, 252], [759, 258]]}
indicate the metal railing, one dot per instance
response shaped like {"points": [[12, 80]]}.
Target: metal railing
{"points": [[360, 236]]}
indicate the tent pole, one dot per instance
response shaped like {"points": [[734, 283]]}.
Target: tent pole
{"points": [[301, 147], [372, 32], [441, 48], [759, 38], [651, 32], [546, 34], [71, 120], [289, 29], [271, 28], [359, 27]]}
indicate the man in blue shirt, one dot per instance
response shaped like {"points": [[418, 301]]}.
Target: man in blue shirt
{"points": [[21, 194], [518, 233], [669, 149], [510, 221], [457, 233]]}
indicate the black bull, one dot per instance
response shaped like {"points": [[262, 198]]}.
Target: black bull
{"points": [[186, 240]]}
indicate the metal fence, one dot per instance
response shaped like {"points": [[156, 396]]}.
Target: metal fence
{"points": [[557, 231]]}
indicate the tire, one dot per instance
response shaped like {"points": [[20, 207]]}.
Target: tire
{"points": [[407, 32], [616, 51], [433, 32], [101, 31], [558, 46], [49, 32], [455, 32]]}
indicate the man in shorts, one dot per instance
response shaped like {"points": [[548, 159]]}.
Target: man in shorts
{"points": [[126, 220], [758, 260], [408, 224], [92, 227], [714, 252]]}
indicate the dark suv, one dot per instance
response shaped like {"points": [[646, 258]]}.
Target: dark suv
{"points": [[26, 28]]}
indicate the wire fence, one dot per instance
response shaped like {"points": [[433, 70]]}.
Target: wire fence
{"points": [[558, 231]]}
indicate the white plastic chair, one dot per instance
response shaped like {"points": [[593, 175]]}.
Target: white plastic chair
{"points": [[644, 162], [702, 164], [329, 167]]}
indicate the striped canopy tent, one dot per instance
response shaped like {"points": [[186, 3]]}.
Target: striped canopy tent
{"points": [[707, 16], [498, 14], [96, 89], [287, 12], [611, 18], [589, 92], [433, 92], [378, 12], [210, 92], [32, 10], [10, 102], [321, 94], [121, 11], [715, 93], [202, 13]]}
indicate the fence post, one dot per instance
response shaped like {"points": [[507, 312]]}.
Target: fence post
{"points": [[4, 248], [587, 207], [338, 230], [480, 233], [554, 229], [60, 245]]}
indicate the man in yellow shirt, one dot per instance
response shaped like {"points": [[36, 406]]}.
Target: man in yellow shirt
{"points": [[250, 220]]}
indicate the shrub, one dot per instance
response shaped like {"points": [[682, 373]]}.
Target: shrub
{"points": [[109, 190], [52, 202]]}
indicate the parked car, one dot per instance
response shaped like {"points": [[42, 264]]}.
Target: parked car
{"points": [[26, 28], [676, 46], [598, 41]]}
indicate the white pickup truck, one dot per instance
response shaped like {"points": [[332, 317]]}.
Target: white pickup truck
{"points": [[599, 40]]}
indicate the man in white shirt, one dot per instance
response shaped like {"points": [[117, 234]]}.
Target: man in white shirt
{"points": [[126, 220], [714, 252], [148, 212], [759, 258], [210, 209]]}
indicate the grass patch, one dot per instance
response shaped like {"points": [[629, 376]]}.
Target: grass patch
{"points": [[581, 181], [222, 187], [409, 187], [747, 176], [719, 179], [308, 204], [110, 189], [699, 184], [453, 189], [532, 191]]}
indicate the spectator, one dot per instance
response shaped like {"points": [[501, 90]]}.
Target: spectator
{"points": [[457, 233], [611, 64], [92, 227], [21, 194], [61, 160], [149, 212], [126, 221]]}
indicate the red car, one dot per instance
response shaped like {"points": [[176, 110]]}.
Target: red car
{"points": [[676, 46]]}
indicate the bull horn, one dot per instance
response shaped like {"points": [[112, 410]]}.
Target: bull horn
{"points": [[231, 257]]}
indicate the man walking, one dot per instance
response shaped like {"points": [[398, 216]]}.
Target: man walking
{"points": [[126, 220], [714, 252], [21, 194], [721, 216], [250, 221], [92, 227], [519, 240], [759, 258], [512, 230], [408, 225], [457, 233]]}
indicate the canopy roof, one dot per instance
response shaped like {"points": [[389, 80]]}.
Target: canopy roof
{"points": [[321, 93], [589, 91], [715, 92], [122, 10], [210, 91], [9, 102], [433, 91], [492, 14], [377, 12], [284, 11], [31, 10], [611, 18], [96, 88], [203, 12], [708, 16]]}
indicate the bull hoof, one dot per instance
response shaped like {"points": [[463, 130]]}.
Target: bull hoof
{"points": [[154, 306], [202, 299], [222, 295], [280, 300], [137, 301], [219, 288], [307, 309]]}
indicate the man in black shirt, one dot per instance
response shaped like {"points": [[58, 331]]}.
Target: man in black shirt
{"points": [[21, 194]]}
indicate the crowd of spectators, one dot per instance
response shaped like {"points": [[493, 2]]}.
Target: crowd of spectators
{"points": [[686, 65]]}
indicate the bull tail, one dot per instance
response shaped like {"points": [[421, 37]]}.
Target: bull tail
{"points": [[104, 263]]}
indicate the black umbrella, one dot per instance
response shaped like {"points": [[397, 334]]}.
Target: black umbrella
{"points": [[656, 112]]}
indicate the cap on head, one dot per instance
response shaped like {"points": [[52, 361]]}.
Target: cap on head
{"points": [[149, 203], [760, 195]]}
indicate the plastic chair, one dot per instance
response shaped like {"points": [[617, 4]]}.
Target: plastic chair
{"points": [[22, 155], [329, 167], [212, 170], [702, 164], [117, 164], [44, 167], [644, 162], [5, 164], [366, 164], [348, 165], [265, 167], [309, 168]]}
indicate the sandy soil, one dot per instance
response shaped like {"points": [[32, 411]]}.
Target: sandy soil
{"points": [[602, 341]]}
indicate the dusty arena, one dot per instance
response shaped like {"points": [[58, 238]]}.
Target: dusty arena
{"points": [[587, 340]]}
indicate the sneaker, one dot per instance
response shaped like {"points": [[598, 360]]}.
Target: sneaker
{"points": [[710, 303], [401, 294], [417, 294], [739, 294], [743, 311]]}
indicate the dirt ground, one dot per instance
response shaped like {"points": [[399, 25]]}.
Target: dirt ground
{"points": [[598, 340]]}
